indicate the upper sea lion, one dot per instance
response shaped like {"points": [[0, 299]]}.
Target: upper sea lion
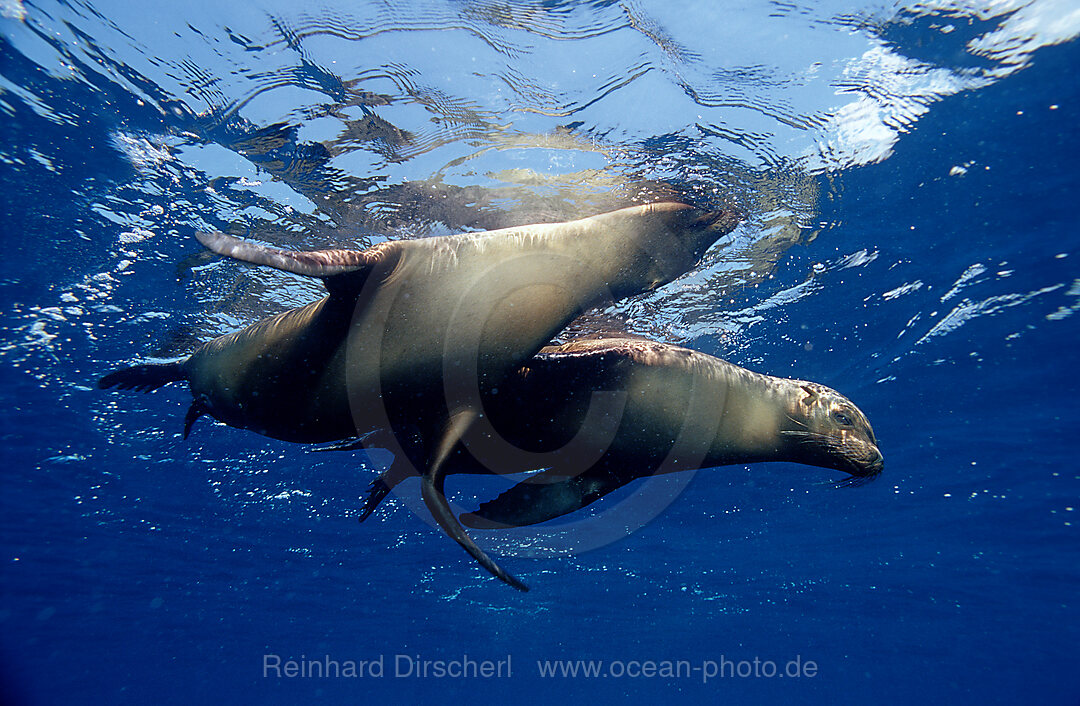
{"points": [[406, 323], [677, 410]]}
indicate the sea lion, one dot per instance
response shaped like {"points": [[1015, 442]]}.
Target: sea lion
{"points": [[677, 410], [412, 331]]}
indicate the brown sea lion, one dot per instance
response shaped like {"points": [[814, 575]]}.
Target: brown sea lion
{"points": [[412, 332], [672, 409]]}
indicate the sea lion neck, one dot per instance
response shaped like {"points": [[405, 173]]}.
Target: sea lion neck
{"points": [[752, 417]]}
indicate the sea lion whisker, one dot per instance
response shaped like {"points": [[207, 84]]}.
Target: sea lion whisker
{"points": [[796, 420], [808, 437], [853, 481]]}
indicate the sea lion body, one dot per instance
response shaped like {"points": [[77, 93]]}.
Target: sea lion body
{"points": [[414, 332], [402, 313], [271, 377], [471, 308], [676, 409], [733, 414]]}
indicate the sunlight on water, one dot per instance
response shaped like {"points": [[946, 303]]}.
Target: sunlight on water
{"points": [[345, 125]]}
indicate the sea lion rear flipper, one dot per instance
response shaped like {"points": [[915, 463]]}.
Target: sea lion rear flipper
{"points": [[363, 441], [381, 487], [435, 498], [543, 497], [377, 491], [326, 264], [144, 378]]}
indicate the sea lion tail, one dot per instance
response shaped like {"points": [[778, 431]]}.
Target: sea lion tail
{"points": [[144, 378], [435, 498]]}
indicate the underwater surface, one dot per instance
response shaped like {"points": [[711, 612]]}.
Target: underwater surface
{"points": [[908, 174]]}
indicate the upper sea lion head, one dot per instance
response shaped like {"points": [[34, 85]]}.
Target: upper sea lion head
{"points": [[675, 235], [695, 228], [831, 432]]}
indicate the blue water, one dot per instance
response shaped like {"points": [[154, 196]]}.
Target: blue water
{"points": [[909, 176]]}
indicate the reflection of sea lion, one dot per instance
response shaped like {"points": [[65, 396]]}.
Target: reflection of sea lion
{"points": [[676, 410], [404, 318]]}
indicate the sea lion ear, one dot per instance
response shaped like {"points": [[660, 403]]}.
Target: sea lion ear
{"points": [[811, 395]]}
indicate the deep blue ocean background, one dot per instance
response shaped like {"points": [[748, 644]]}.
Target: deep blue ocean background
{"points": [[909, 174]]}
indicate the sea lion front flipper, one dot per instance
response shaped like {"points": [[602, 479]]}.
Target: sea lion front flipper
{"points": [[312, 263], [431, 485], [543, 497], [456, 427], [435, 499], [195, 411]]}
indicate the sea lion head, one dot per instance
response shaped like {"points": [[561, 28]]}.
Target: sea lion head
{"points": [[828, 430], [694, 229]]}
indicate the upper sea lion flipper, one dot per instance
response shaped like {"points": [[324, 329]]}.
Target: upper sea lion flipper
{"points": [[543, 497], [431, 485], [435, 499], [144, 378], [312, 263], [456, 426]]}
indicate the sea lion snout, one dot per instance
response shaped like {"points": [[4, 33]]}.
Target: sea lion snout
{"points": [[877, 465], [866, 464], [857, 452], [724, 220], [708, 220]]}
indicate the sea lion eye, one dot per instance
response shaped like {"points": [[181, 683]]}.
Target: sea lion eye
{"points": [[842, 419]]}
